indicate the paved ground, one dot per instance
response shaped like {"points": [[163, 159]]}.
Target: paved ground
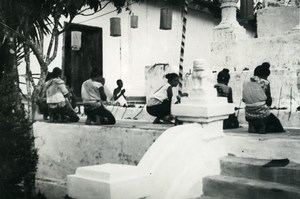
{"points": [[131, 123]]}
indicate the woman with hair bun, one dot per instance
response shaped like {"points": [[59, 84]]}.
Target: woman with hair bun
{"points": [[258, 99], [223, 90], [159, 105]]}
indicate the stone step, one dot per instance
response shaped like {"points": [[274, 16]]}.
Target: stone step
{"points": [[255, 169], [226, 187]]}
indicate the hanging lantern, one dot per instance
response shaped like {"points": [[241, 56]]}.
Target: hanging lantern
{"points": [[165, 19], [75, 40], [134, 21], [115, 27]]}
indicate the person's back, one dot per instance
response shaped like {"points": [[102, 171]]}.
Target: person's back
{"points": [[90, 91], [257, 97], [223, 90], [253, 93], [57, 99], [55, 92]]}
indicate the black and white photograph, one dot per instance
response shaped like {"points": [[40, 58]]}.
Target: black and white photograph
{"points": [[149, 99]]}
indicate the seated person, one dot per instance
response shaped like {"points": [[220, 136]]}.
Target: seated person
{"points": [[257, 97], [223, 90], [118, 95], [42, 101], [159, 105], [58, 99], [93, 95]]}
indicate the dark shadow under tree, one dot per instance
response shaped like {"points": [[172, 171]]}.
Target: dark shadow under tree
{"points": [[18, 157]]}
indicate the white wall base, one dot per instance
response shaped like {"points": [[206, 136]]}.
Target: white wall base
{"points": [[109, 181]]}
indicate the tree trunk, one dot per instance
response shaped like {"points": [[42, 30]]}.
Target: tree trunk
{"points": [[28, 82]]}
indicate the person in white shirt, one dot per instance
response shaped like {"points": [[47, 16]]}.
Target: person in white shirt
{"points": [[93, 95], [159, 105], [58, 96]]}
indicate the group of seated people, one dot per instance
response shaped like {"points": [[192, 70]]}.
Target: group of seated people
{"points": [[256, 96], [59, 102]]}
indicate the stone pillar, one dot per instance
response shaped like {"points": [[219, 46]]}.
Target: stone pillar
{"points": [[229, 28], [203, 106]]}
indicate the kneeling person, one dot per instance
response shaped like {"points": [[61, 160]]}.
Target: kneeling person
{"points": [[57, 95], [92, 93], [257, 97]]}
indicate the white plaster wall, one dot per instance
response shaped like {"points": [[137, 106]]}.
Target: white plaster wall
{"points": [[283, 54], [64, 147], [126, 56], [274, 21]]}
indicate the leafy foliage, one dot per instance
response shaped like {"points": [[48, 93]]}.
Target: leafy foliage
{"points": [[27, 21], [18, 157]]}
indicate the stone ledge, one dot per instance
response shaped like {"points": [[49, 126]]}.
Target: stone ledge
{"points": [[263, 146]]}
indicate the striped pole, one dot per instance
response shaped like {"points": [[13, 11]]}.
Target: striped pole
{"points": [[184, 14]]}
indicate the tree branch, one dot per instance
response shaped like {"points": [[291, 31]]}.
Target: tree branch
{"points": [[55, 48], [54, 32]]}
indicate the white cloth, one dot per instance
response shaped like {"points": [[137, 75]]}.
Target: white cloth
{"points": [[253, 93], [56, 91], [90, 91], [159, 96]]}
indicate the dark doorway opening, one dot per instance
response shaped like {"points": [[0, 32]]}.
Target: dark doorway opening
{"points": [[78, 61]]}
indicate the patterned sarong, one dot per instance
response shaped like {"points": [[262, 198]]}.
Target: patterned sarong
{"points": [[256, 112]]}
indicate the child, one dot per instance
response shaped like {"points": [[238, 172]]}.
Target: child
{"points": [[118, 95]]}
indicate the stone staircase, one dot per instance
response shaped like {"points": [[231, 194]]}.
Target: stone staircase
{"points": [[247, 178]]}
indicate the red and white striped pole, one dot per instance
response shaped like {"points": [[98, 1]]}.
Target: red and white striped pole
{"points": [[184, 15]]}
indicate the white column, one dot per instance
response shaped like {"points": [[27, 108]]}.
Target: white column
{"points": [[229, 8], [202, 106], [229, 27]]}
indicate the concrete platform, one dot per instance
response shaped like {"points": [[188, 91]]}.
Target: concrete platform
{"points": [[240, 143], [64, 147]]}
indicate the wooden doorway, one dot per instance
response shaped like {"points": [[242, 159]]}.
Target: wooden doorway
{"points": [[78, 62]]}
